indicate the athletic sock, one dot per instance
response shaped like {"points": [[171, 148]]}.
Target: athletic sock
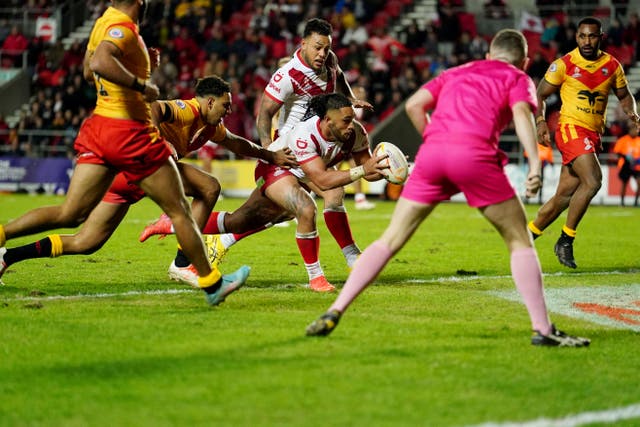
{"points": [[3, 237], [351, 254], [567, 234], [215, 223], [338, 225], [212, 282], [39, 249], [535, 231], [365, 270], [181, 259], [527, 275], [309, 247]]}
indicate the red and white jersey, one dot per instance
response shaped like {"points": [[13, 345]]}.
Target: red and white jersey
{"points": [[307, 143], [294, 84]]}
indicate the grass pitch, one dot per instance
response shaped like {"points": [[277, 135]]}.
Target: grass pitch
{"points": [[108, 340]]}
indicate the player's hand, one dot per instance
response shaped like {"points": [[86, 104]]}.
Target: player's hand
{"points": [[285, 158], [533, 184], [373, 168], [542, 131], [151, 91], [154, 57], [357, 103], [635, 118]]}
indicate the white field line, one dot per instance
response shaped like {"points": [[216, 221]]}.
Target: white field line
{"points": [[289, 285], [607, 416], [471, 277], [129, 293]]}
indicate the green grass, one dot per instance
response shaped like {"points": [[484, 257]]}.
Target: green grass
{"points": [[418, 348]]}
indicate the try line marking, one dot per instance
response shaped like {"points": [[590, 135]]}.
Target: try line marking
{"points": [[607, 416]]}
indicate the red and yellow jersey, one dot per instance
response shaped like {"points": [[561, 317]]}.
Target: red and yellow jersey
{"points": [[116, 101], [584, 87], [186, 130]]}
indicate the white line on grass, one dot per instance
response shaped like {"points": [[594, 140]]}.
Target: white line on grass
{"points": [[471, 277], [125, 294], [607, 416], [102, 295]]}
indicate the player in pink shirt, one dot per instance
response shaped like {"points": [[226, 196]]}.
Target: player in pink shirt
{"points": [[471, 105]]}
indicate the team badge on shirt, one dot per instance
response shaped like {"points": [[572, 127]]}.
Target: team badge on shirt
{"points": [[116, 33], [181, 104]]}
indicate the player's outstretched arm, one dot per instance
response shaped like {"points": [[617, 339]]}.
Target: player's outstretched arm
{"points": [[243, 147]]}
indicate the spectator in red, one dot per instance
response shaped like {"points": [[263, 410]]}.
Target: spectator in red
{"points": [[13, 47], [4, 130]]}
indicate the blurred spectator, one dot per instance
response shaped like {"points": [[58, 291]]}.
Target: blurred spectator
{"points": [[74, 56], [620, 7], [414, 38], [551, 31], [5, 29], [566, 37], [632, 34], [462, 47], [4, 131], [615, 33], [357, 33], [538, 66], [627, 148], [478, 47], [496, 9], [14, 45], [448, 29]]}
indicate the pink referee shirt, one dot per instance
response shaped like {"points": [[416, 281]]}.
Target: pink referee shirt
{"points": [[476, 99]]}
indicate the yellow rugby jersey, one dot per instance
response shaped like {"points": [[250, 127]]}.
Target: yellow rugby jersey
{"points": [[585, 87], [113, 100], [186, 130]]}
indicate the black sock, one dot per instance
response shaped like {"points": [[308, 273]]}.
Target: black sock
{"points": [[564, 237], [181, 259], [39, 249], [213, 288]]}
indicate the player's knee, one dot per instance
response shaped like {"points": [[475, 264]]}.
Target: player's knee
{"points": [[307, 213]]}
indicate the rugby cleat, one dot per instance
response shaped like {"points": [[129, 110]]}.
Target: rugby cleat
{"points": [[321, 284], [323, 325], [364, 205], [215, 249], [558, 339], [230, 283], [162, 226], [564, 252], [3, 264], [188, 274]]}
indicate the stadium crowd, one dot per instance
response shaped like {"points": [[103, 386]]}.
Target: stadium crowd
{"points": [[242, 42]]}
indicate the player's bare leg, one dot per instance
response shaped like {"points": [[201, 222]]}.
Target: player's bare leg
{"points": [[337, 221], [509, 219], [407, 216], [165, 188], [88, 185], [288, 193]]}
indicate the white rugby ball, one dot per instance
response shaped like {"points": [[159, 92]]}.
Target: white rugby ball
{"points": [[398, 167]]}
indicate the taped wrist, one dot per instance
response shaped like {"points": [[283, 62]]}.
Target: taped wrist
{"points": [[356, 173]]}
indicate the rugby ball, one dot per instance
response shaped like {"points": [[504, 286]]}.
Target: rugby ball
{"points": [[398, 167]]}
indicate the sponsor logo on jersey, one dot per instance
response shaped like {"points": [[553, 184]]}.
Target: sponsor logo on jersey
{"points": [[576, 73], [553, 68], [181, 104], [116, 33]]}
